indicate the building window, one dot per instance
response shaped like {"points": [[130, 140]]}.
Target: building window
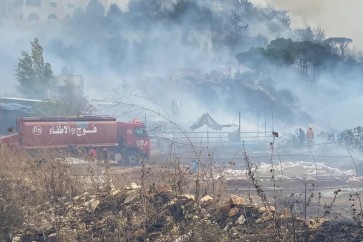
{"points": [[33, 3], [52, 16], [53, 4], [71, 5], [17, 4], [33, 16]]}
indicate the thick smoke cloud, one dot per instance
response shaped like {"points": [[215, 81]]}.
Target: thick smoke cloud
{"points": [[337, 99], [153, 52], [338, 18]]}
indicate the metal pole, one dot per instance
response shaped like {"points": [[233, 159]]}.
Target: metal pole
{"points": [[239, 126], [272, 120], [258, 125], [265, 125], [305, 205]]}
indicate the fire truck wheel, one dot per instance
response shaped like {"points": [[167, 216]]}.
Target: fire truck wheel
{"points": [[132, 158], [117, 157]]}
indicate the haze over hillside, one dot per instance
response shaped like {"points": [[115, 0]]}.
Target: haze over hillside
{"points": [[338, 18], [211, 56]]}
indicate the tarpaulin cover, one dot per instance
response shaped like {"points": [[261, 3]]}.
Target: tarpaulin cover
{"points": [[206, 119]]}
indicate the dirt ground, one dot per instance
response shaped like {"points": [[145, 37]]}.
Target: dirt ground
{"points": [[168, 199]]}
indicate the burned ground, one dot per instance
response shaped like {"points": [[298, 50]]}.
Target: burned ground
{"points": [[55, 200]]}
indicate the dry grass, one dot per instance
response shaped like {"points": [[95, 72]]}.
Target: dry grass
{"points": [[43, 195]]}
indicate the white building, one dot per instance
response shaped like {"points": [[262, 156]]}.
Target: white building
{"points": [[66, 85], [48, 9]]}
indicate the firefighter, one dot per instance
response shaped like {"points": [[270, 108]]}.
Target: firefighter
{"points": [[301, 135], [310, 136], [105, 158], [92, 154]]}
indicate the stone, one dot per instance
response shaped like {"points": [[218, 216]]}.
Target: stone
{"points": [[299, 220], [233, 212], [183, 238], [315, 223], [241, 220], [188, 197], [131, 198], [236, 200], [165, 189], [137, 220], [311, 238], [114, 192], [228, 226], [206, 200], [267, 209], [224, 208], [139, 233], [266, 216], [91, 204], [133, 186], [76, 198], [285, 214]]}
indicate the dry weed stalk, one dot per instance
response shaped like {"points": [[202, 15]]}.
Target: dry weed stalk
{"points": [[251, 174], [357, 213], [327, 208]]}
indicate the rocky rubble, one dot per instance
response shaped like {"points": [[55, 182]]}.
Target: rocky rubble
{"points": [[132, 213]]}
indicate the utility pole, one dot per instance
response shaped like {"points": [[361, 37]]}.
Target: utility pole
{"points": [[258, 125], [239, 126], [265, 124], [272, 120]]}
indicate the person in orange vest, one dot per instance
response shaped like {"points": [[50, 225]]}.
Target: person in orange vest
{"points": [[310, 136]]}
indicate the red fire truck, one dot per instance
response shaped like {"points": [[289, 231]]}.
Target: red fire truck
{"points": [[128, 139]]}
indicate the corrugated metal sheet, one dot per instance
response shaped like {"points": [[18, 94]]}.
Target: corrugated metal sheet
{"points": [[12, 108], [15, 107]]}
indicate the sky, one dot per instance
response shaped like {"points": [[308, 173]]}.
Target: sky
{"points": [[338, 18]]}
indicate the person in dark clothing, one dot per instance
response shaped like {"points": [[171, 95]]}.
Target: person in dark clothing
{"points": [[301, 136], [104, 154], [105, 158]]}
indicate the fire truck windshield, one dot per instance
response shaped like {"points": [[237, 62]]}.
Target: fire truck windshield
{"points": [[139, 132]]}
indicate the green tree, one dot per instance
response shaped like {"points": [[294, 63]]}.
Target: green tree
{"points": [[319, 34], [95, 10], [34, 76], [311, 57], [37, 57], [25, 73], [339, 44]]}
